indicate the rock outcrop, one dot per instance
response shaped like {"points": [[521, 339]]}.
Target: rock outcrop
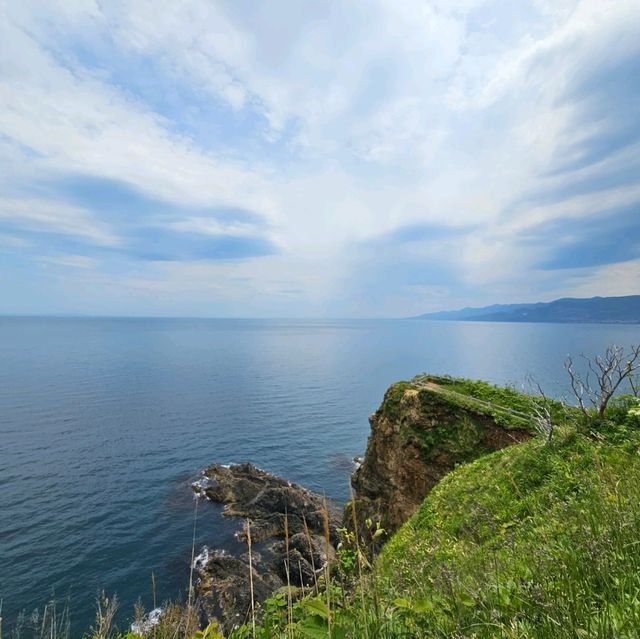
{"points": [[292, 531], [421, 432]]}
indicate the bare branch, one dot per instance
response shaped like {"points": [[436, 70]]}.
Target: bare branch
{"points": [[577, 385], [610, 371], [634, 382]]}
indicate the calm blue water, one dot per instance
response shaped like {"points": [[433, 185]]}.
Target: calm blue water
{"points": [[104, 423]]}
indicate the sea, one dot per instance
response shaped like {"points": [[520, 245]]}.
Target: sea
{"points": [[106, 422]]}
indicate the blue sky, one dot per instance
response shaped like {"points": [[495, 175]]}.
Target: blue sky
{"points": [[340, 159]]}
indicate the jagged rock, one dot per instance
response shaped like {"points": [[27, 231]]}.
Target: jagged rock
{"points": [[288, 522], [266, 499], [307, 555], [223, 589]]}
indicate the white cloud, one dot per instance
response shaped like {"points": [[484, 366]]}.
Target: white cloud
{"points": [[38, 215], [579, 207], [208, 226], [75, 123], [612, 279], [11, 241], [70, 261], [272, 286], [377, 115]]}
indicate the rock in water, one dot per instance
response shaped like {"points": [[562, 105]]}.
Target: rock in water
{"points": [[294, 530], [265, 499]]}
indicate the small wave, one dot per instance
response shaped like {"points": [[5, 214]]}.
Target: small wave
{"points": [[148, 622], [342, 463], [200, 485], [202, 559]]}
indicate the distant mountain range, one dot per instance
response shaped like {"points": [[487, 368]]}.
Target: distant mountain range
{"points": [[608, 310]]}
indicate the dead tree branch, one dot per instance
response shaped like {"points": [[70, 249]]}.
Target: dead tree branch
{"points": [[610, 370]]}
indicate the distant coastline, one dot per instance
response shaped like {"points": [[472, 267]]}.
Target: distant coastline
{"points": [[596, 310]]}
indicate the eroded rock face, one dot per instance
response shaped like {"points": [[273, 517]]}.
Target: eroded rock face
{"points": [[288, 525], [418, 435]]}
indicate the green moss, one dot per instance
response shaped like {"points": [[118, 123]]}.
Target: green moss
{"points": [[391, 405], [505, 397], [453, 415], [457, 432]]}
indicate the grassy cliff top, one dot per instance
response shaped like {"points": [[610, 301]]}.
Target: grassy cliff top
{"points": [[541, 539], [505, 405]]}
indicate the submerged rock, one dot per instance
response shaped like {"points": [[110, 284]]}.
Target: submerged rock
{"points": [[292, 530]]}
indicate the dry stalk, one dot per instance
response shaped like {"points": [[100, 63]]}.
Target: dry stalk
{"points": [[301, 581], [354, 518], [253, 607], [193, 555], [327, 571], [287, 567], [313, 563], [105, 612]]}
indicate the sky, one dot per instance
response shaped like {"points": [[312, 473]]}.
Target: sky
{"points": [[360, 158]]}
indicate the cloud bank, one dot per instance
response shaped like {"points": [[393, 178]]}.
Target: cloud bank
{"points": [[316, 159]]}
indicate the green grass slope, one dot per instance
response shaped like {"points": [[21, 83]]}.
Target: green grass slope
{"points": [[530, 541]]}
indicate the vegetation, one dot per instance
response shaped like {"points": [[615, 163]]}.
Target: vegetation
{"points": [[538, 540], [531, 541], [505, 404]]}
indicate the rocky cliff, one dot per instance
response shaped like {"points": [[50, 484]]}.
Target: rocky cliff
{"points": [[422, 430]]}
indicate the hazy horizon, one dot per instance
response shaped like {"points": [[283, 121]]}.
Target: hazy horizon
{"points": [[80, 315]]}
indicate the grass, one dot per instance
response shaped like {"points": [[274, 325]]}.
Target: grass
{"points": [[504, 396], [540, 540], [531, 541], [451, 416]]}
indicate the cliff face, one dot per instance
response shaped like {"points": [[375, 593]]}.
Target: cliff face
{"points": [[422, 430]]}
